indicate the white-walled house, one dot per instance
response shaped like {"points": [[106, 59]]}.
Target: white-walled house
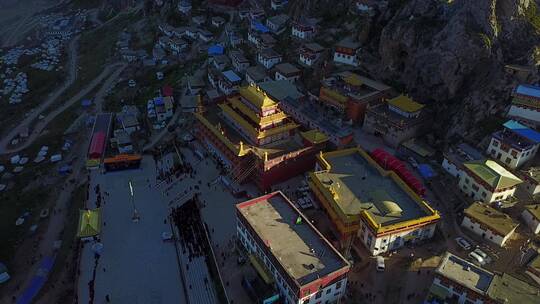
{"points": [[526, 105], [531, 216], [455, 157], [303, 29], [310, 53], [347, 52], [268, 58], [287, 71], [489, 223], [239, 61], [487, 181], [531, 180], [269, 220], [515, 145]]}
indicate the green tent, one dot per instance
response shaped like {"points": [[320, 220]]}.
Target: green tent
{"points": [[89, 223]]}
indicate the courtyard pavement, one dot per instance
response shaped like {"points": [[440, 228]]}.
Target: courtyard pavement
{"points": [[136, 266]]}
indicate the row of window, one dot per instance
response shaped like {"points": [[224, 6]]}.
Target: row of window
{"points": [[279, 279], [340, 55]]}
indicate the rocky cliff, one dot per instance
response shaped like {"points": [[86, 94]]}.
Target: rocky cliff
{"points": [[453, 54], [450, 53]]}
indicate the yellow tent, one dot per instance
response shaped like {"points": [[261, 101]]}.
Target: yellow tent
{"points": [[89, 223]]}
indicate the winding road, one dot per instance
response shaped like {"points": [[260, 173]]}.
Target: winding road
{"points": [[25, 123], [116, 69]]}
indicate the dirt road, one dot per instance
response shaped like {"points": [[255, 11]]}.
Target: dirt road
{"points": [[42, 124]]}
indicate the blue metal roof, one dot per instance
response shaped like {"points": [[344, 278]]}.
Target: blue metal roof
{"points": [[426, 171], [527, 89], [215, 50], [522, 130], [231, 76], [158, 101], [259, 27]]}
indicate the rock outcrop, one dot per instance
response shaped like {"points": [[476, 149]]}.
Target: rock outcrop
{"points": [[453, 54]]}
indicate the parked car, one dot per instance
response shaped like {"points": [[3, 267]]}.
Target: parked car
{"points": [[477, 258], [463, 243], [413, 162], [485, 256], [380, 264]]}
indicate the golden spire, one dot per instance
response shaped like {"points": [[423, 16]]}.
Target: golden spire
{"points": [[241, 151]]}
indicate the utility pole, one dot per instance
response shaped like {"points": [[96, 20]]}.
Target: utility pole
{"points": [[136, 217]]}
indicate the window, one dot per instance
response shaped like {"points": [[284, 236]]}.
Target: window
{"points": [[475, 187], [513, 153], [495, 143], [338, 285], [493, 152], [484, 194], [507, 160], [467, 181], [318, 295], [329, 290]]}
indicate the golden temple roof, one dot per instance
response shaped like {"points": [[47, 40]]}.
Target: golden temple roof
{"points": [[257, 97]]}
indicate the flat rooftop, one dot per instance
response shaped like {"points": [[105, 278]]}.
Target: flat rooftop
{"points": [[507, 289], [465, 273], [397, 120], [360, 186], [302, 251], [309, 111], [491, 217]]}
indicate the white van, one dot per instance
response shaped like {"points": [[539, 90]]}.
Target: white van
{"points": [[380, 263]]}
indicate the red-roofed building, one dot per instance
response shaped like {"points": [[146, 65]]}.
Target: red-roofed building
{"points": [[167, 91]]}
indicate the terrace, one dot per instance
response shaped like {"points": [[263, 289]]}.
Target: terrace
{"points": [[518, 136], [359, 186], [465, 273]]}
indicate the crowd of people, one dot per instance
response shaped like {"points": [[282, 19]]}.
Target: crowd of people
{"points": [[190, 227], [178, 168]]}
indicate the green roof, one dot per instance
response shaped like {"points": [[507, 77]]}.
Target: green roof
{"points": [[507, 289], [534, 210], [314, 136], [89, 223], [493, 174], [494, 219]]}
